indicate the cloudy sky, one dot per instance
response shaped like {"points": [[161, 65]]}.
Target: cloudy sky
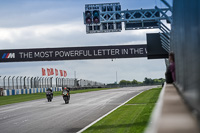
{"points": [[59, 23]]}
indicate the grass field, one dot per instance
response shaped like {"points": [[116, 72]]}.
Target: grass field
{"points": [[28, 97], [132, 117]]}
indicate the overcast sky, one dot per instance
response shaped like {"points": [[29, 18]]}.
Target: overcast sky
{"points": [[59, 23]]}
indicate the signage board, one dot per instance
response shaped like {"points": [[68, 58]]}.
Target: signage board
{"points": [[154, 47], [73, 53]]}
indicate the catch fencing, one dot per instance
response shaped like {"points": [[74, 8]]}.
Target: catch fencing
{"points": [[20, 84]]}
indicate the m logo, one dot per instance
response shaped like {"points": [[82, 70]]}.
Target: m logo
{"points": [[8, 55]]}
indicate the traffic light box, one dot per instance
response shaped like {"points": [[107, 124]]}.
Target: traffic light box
{"points": [[93, 14], [92, 17]]}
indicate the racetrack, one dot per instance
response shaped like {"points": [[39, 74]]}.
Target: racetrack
{"points": [[40, 116]]}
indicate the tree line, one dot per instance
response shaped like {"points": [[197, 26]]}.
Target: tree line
{"points": [[147, 81]]}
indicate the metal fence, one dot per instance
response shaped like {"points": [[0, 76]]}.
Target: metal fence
{"points": [[89, 83], [24, 82], [185, 43]]}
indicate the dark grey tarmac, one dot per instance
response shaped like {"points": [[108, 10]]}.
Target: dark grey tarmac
{"points": [[40, 116]]}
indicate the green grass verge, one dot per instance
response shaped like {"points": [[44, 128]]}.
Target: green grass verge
{"points": [[28, 97], [132, 117], [147, 97]]}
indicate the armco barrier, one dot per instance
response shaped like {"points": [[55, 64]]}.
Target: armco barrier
{"points": [[28, 91]]}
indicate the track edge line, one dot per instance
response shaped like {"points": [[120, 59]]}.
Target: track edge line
{"points": [[108, 113]]}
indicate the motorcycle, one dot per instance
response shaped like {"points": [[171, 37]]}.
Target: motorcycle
{"points": [[66, 96], [49, 95]]}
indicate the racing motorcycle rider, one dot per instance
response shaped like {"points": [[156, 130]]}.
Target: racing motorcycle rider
{"points": [[49, 94], [66, 94]]}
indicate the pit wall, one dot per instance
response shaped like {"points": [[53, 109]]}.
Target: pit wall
{"points": [[28, 91]]}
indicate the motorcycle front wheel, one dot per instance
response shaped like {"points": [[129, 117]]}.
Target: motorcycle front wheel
{"points": [[66, 101]]}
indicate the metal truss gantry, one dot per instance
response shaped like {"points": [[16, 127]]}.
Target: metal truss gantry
{"points": [[108, 17]]}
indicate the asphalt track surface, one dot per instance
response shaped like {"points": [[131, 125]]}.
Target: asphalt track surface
{"points": [[40, 116]]}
